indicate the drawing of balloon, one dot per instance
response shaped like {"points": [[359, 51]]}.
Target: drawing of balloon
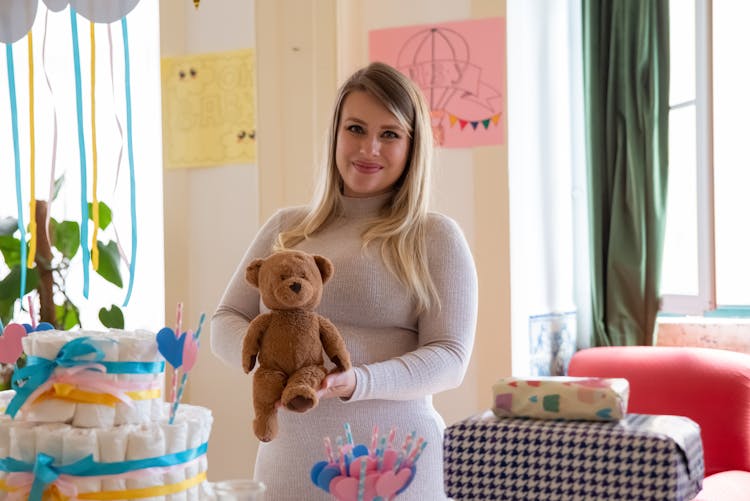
{"points": [[16, 19], [103, 11]]}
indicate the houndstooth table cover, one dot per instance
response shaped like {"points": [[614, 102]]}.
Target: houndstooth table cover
{"points": [[639, 457]]}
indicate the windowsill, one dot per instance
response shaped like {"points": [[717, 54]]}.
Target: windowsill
{"points": [[707, 332]]}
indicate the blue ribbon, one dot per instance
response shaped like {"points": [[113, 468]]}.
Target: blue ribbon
{"points": [[129, 111], [14, 122], [82, 154], [80, 351], [45, 473]]}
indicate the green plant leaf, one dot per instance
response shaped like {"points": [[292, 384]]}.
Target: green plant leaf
{"points": [[105, 214], [58, 185], [6, 310], [66, 237], [10, 285], [112, 318], [11, 250], [109, 262], [67, 315], [8, 225]]}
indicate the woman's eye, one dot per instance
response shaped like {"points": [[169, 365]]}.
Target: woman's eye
{"points": [[357, 129], [390, 134]]}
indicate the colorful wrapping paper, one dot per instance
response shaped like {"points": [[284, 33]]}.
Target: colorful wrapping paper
{"points": [[592, 399]]}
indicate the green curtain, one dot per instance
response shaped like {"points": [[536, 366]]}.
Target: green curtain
{"points": [[626, 95]]}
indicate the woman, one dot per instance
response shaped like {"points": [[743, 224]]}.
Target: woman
{"points": [[403, 294]]}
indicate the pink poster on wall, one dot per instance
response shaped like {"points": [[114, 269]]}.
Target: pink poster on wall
{"points": [[460, 67]]}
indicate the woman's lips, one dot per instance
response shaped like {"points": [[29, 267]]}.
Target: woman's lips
{"points": [[366, 167]]}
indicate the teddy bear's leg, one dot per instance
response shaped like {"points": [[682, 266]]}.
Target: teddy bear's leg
{"points": [[300, 393], [267, 388]]}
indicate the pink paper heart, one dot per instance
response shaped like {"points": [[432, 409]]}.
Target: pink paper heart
{"points": [[10, 343], [189, 352], [390, 483], [370, 462], [346, 488]]}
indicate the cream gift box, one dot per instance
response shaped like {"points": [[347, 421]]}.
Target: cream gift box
{"points": [[559, 397]]}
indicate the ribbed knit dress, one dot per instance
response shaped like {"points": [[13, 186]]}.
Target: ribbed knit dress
{"points": [[400, 358]]}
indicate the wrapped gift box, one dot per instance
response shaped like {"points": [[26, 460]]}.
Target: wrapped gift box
{"points": [[561, 397], [639, 457]]}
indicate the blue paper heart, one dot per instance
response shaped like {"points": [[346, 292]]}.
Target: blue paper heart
{"points": [[170, 347], [408, 482], [28, 328], [45, 326], [325, 476], [316, 469], [360, 450]]}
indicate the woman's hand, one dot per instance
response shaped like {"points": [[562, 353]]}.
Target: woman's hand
{"points": [[338, 385]]}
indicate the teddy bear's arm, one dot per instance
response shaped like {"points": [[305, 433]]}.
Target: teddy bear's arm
{"points": [[333, 344], [251, 342]]}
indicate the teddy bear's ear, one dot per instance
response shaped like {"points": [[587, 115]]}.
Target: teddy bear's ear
{"points": [[252, 270], [325, 266]]}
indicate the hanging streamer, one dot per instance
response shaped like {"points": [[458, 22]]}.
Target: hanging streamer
{"points": [[54, 126], [120, 250], [32, 160], [94, 157], [16, 148], [82, 153], [134, 233]]}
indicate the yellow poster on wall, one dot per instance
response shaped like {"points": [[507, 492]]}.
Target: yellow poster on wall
{"points": [[208, 109]]}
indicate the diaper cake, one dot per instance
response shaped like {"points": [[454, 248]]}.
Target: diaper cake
{"points": [[87, 419]]}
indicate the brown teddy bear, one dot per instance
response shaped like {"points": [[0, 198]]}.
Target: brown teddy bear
{"points": [[289, 341]]}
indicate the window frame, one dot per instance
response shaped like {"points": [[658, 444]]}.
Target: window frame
{"points": [[705, 300]]}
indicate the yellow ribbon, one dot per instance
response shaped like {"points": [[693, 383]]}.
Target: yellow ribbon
{"points": [[52, 493], [95, 201], [32, 174], [70, 393], [147, 492]]}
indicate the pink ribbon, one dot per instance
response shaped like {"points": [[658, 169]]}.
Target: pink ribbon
{"points": [[91, 378], [22, 482]]}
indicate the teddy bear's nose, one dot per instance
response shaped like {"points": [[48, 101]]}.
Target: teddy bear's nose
{"points": [[296, 286]]}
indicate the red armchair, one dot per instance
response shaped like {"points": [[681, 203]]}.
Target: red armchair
{"points": [[710, 386]]}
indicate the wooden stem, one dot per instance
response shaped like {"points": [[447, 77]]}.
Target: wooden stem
{"points": [[43, 260]]}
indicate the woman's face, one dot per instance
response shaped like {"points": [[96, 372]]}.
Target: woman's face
{"points": [[371, 146]]}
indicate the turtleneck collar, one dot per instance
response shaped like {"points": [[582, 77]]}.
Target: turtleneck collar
{"points": [[356, 207]]}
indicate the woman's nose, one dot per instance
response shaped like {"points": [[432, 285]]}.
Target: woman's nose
{"points": [[370, 146]]}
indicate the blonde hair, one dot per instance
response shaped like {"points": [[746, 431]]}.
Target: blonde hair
{"points": [[401, 228]]}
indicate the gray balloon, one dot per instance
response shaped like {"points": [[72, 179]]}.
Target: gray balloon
{"points": [[103, 11], [16, 19], [56, 5]]}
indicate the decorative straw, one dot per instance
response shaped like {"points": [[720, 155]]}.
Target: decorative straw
{"points": [[31, 312], [329, 450], [362, 476], [419, 452], [348, 431], [379, 453], [181, 390], [177, 333], [374, 440], [391, 436]]}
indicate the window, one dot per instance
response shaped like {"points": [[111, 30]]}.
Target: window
{"points": [[706, 264], [146, 307]]}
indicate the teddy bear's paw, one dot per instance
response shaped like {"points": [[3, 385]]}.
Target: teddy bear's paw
{"points": [[265, 429], [300, 400]]}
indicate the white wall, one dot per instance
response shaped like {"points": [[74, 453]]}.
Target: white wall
{"points": [[318, 42]]}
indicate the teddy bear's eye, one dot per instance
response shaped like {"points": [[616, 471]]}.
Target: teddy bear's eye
{"points": [[303, 275], [284, 277]]}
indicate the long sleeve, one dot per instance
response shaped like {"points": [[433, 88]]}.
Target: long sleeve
{"points": [[241, 302], [445, 334]]}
